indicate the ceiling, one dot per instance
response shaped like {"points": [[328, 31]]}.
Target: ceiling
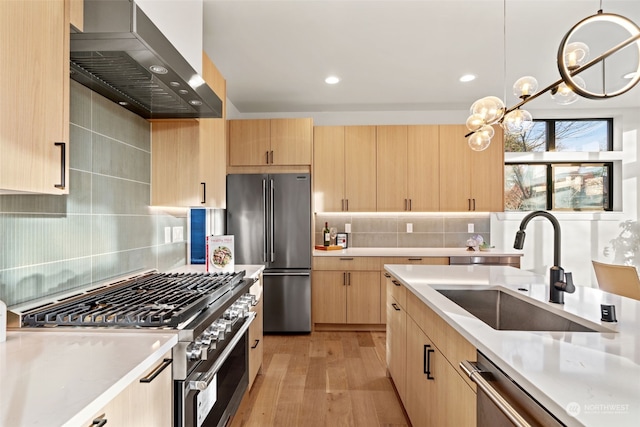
{"points": [[397, 55]]}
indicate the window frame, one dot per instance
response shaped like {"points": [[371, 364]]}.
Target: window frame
{"points": [[550, 144]]}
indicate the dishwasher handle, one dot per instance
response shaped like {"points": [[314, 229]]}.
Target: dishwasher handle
{"points": [[475, 374]]}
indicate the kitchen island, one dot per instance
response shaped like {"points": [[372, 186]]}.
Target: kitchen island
{"points": [[583, 378]]}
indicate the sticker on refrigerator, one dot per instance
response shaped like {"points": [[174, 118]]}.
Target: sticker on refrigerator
{"points": [[220, 256]]}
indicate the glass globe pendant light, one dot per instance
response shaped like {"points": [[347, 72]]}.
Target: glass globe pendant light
{"points": [[563, 95], [576, 55], [524, 87], [517, 122], [475, 122], [481, 139], [490, 109]]}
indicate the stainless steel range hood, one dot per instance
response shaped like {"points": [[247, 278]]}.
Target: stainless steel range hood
{"points": [[123, 56]]}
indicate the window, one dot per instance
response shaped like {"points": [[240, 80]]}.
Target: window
{"points": [[564, 185]]}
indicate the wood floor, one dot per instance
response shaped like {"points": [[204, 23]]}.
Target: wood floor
{"points": [[322, 379]]}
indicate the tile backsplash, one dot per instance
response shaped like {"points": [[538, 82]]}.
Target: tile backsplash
{"points": [[390, 230], [105, 227]]}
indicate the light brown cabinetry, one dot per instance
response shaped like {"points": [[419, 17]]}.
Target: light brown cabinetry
{"points": [[344, 168], [148, 401], [470, 180], [408, 168], [34, 100], [256, 343], [345, 291], [397, 337], [433, 389], [76, 14], [259, 142], [188, 157]]}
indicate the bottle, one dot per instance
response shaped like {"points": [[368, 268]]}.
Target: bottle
{"points": [[326, 234]]}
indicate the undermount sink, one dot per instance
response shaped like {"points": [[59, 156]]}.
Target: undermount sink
{"points": [[505, 312]]}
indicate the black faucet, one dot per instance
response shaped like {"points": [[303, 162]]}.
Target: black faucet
{"points": [[559, 281]]}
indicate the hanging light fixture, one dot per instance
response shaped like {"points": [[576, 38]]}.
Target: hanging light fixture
{"points": [[572, 59]]}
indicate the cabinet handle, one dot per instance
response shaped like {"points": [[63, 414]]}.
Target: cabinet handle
{"points": [[347, 202], [100, 421], [271, 156], [387, 275], [474, 204], [255, 344], [63, 162], [469, 204], [405, 204], [342, 204], [348, 279], [156, 371], [267, 153], [204, 192], [410, 208], [346, 259], [414, 259], [344, 279], [395, 306], [427, 361], [395, 282]]}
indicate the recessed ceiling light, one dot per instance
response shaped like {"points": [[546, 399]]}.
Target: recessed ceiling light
{"points": [[331, 80], [467, 78], [630, 75]]}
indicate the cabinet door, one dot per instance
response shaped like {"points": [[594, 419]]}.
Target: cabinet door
{"points": [[396, 345], [363, 297], [249, 142], [455, 169], [291, 141], [213, 144], [328, 296], [392, 169], [423, 168], [34, 100], [455, 402], [360, 168], [487, 176], [421, 399], [174, 163], [328, 168], [256, 345]]}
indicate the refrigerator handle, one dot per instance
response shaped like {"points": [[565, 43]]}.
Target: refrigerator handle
{"points": [[271, 222], [264, 218]]}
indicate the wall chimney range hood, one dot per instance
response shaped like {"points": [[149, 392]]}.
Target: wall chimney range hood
{"points": [[124, 57]]}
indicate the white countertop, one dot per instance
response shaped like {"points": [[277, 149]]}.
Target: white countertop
{"points": [[50, 378], [415, 252], [600, 372]]}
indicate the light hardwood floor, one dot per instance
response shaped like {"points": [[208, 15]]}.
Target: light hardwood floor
{"points": [[322, 379]]}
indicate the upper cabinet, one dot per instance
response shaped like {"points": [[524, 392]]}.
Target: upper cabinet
{"points": [[344, 172], [188, 157], [470, 180], [34, 100], [266, 142], [408, 168]]}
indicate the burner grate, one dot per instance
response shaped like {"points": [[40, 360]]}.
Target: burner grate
{"points": [[155, 300]]}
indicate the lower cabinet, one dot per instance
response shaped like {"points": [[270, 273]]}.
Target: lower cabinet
{"points": [[432, 387], [256, 343], [347, 297], [148, 401]]}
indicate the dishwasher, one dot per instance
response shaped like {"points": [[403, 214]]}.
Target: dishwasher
{"points": [[501, 402]]}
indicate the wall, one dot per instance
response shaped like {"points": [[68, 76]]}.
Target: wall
{"points": [[104, 228], [606, 236], [389, 230]]}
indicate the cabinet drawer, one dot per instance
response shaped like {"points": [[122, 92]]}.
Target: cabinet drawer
{"points": [[346, 263], [396, 290], [415, 260]]}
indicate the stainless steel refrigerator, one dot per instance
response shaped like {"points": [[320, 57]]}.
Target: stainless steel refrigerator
{"points": [[270, 217]]}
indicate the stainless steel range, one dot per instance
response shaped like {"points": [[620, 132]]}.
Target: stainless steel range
{"points": [[211, 313]]}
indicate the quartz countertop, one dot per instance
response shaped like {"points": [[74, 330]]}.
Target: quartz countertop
{"points": [[583, 378], [50, 378], [415, 252]]}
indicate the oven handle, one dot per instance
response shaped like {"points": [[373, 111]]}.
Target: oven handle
{"points": [[205, 379], [475, 374]]}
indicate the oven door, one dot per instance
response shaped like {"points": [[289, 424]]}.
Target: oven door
{"points": [[212, 393]]}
